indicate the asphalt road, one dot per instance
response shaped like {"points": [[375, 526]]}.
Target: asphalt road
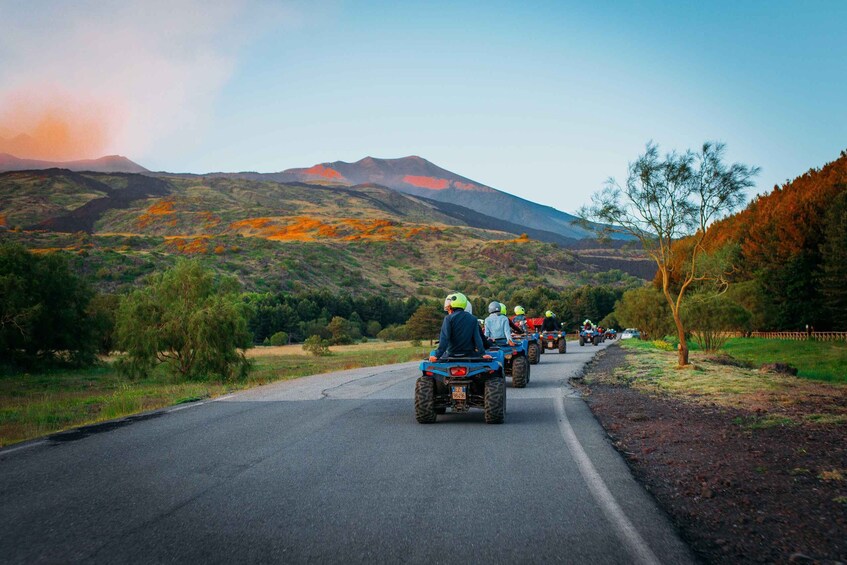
{"points": [[334, 468]]}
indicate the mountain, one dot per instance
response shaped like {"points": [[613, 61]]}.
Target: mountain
{"points": [[108, 164], [361, 238], [417, 176], [410, 175]]}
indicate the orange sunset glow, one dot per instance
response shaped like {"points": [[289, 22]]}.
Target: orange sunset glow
{"points": [[56, 129]]}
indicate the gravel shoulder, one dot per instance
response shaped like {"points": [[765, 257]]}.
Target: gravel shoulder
{"points": [[755, 476]]}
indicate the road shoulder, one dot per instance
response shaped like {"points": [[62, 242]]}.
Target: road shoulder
{"points": [[735, 493]]}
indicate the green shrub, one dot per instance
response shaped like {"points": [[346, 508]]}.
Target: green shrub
{"points": [[279, 338], [394, 332], [187, 319], [316, 346]]}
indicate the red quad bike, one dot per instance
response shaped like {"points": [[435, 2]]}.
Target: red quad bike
{"points": [[534, 325], [461, 383]]}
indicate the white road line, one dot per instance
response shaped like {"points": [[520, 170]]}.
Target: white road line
{"points": [[20, 447], [626, 532], [184, 406], [227, 397]]}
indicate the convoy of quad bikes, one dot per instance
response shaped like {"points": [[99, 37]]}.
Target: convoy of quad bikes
{"points": [[462, 383]]}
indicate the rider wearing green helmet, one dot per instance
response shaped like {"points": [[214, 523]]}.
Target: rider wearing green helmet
{"points": [[520, 318], [460, 335], [551, 322]]}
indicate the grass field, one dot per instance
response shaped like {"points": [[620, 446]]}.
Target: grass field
{"points": [[820, 360], [33, 405], [816, 396], [817, 360]]}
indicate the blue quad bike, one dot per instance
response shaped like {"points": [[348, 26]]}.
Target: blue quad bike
{"points": [[556, 339], [532, 345], [515, 361], [589, 336], [461, 383]]}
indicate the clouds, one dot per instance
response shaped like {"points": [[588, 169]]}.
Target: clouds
{"points": [[119, 76]]}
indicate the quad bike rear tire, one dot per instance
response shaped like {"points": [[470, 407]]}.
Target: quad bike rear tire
{"points": [[581, 341], [495, 400], [563, 345], [596, 340], [425, 400], [532, 354], [520, 372]]}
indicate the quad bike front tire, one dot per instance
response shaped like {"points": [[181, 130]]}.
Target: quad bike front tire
{"points": [[520, 372], [425, 400], [563, 345], [532, 354], [495, 400]]}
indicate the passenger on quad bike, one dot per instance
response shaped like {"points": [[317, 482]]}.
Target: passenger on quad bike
{"points": [[550, 323], [497, 326], [459, 331], [520, 318], [515, 328], [587, 325]]}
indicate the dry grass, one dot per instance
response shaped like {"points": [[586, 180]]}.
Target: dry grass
{"points": [[297, 349], [787, 399]]}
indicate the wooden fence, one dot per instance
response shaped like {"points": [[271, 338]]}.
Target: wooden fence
{"points": [[798, 336]]}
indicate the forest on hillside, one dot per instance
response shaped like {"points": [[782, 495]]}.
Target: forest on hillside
{"points": [[787, 252]]}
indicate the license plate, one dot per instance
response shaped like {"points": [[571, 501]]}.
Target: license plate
{"points": [[460, 393]]}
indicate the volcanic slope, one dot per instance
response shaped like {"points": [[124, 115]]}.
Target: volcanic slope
{"points": [[274, 235], [417, 176]]}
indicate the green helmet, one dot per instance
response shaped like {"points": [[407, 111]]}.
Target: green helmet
{"points": [[519, 311], [548, 314], [502, 308], [456, 300]]}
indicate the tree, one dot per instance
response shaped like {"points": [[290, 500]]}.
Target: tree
{"points": [[425, 323], [834, 265], [710, 315], [373, 327], [43, 310], [102, 311], [188, 319], [665, 199], [646, 309], [343, 331]]}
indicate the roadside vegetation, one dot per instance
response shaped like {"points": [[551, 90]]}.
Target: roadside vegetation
{"points": [[740, 358], [44, 402]]}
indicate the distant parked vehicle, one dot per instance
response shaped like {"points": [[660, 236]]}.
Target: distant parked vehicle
{"points": [[630, 333]]}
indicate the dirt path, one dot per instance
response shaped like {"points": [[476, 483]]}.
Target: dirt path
{"points": [[738, 492]]}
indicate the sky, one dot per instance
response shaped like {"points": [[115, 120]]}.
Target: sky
{"points": [[545, 100]]}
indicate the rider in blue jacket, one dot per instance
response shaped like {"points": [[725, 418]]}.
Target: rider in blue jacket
{"points": [[459, 331]]}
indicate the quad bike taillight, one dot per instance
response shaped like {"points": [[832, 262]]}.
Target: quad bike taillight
{"points": [[458, 371]]}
